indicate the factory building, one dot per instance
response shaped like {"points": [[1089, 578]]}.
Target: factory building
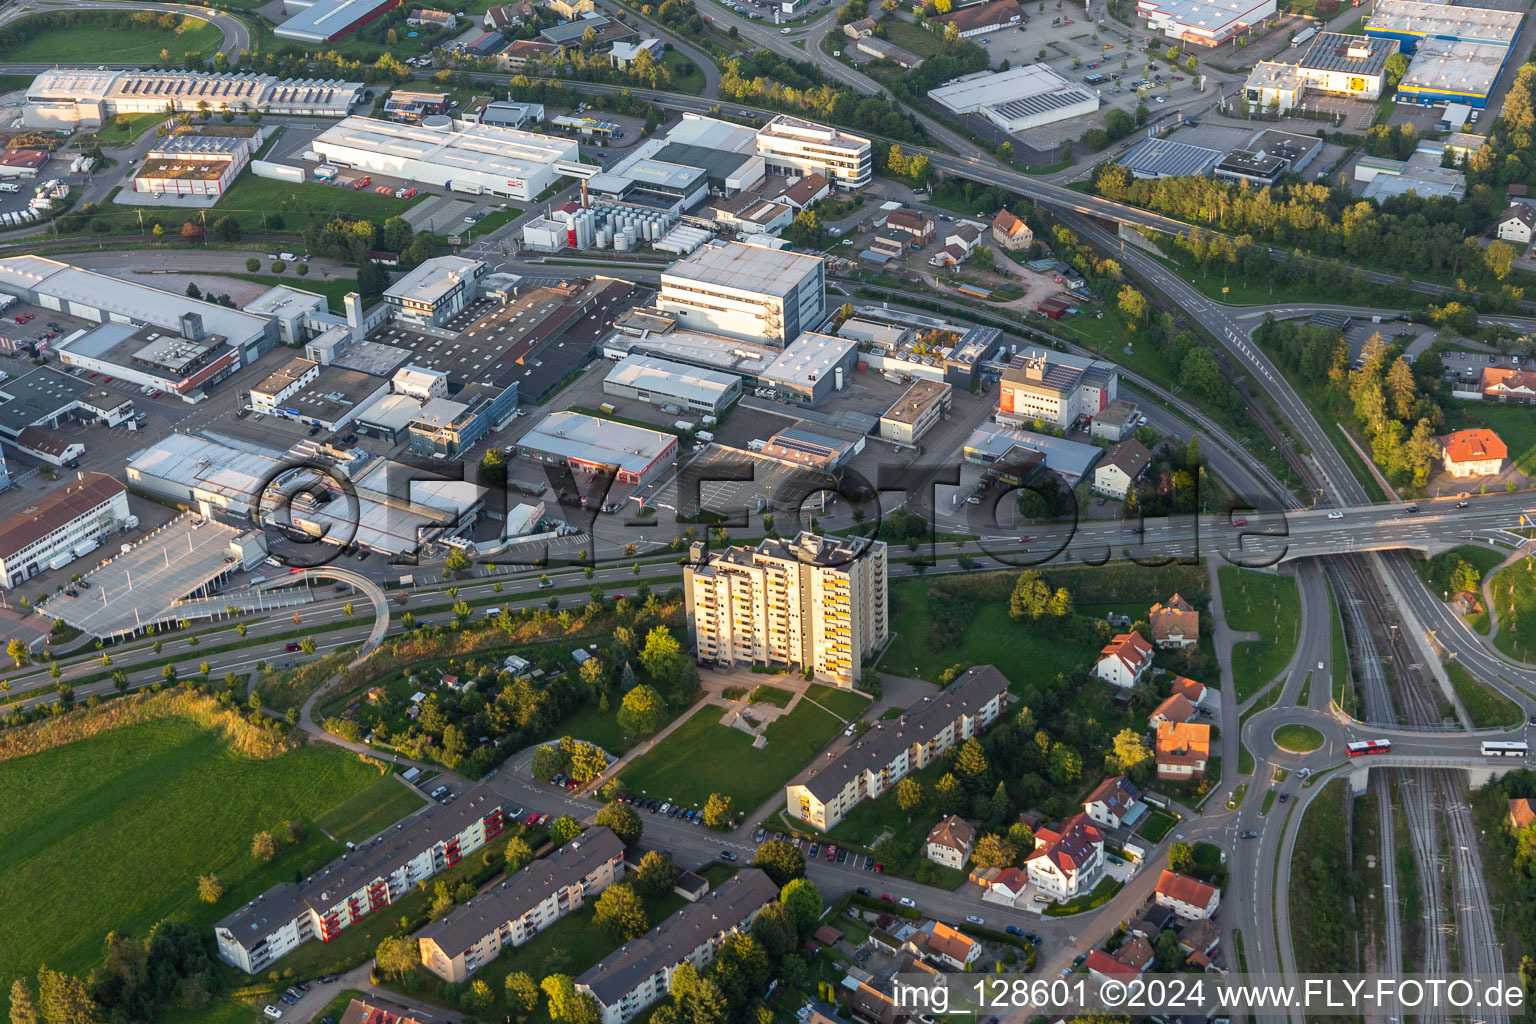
{"points": [[64, 98], [436, 290], [1447, 71], [594, 447], [322, 21], [1020, 98], [462, 158], [194, 164], [61, 526], [1159, 157], [747, 292], [812, 368], [662, 383], [925, 403], [794, 147], [1056, 388], [1204, 22], [1268, 156], [1334, 64], [1412, 22]]}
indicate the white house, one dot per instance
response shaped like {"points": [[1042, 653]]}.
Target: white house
{"points": [[1125, 660], [1476, 452], [948, 946], [1518, 224], [1116, 803], [1122, 465], [1187, 897], [1069, 860], [949, 843]]}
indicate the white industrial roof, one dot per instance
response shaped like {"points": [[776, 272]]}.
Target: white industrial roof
{"points": [[1212, 16], [280, 299], [236, 474], [984, 89], [1440, 65], [823, 136], [324, 19], [133, 300], [1414, 17], [604, 442], [713, 133], [433, 279], [392, 411], [417, 377], [470, 147], [188, 87], [811, 357], [663, 377], [747, 268], [729, 354]]}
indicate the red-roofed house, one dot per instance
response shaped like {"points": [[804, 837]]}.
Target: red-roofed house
{"points": [[1522, 812], [1508, 384], [1188, 897], [1116, 803], [360, 1012], [1136, 953], [1126, 659], [1181, 750], [1174, 623], [949, 843], [1068, 860], [1176, 708], [952, 947], [1476, 452], [1103, 967], [1011, 233], [1190, 690], [1008, 886]]}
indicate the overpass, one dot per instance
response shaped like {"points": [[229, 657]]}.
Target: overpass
{"points": [[359, 582]]}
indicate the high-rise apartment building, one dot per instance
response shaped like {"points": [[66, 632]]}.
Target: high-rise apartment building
{"points": [[818, 603]]}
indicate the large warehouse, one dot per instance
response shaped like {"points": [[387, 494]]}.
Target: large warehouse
{"points": [[320, 21], [662, 383], [1020, 98], [1206, 22], [1446, 71], [68, 97], [1157, 157], [1411, 22], [747, 292], [466, 157], [634, 455]]}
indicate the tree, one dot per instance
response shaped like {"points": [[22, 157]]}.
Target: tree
{"points": [[993, 851], [209, 888], [801, 896], [982, 254], [64, 999], [396, 955], [1394, 69], [263, 847], [1181, 859], [1168, 957], [18, 652], [457, 562], [1134, 307], [642, 711], [1499, 257], [1021, 836], [909, 794], [478, 998], [191, 231], [193, 291], [780, 860], [566, 1004], [774, 927], [656, 875], [623, 821], [718, 810], [563, 829], [949, 793], [522, 996], [591, 673], [971, 766], [1130, 749], [666, 663], [23, 1009], [547, 761], [1066, 765], [519, 854], [620, 913]]}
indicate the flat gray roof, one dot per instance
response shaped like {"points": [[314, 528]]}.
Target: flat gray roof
{"points": [[1163, 158], [432, 280], [809, 358], [323, 20], [608, 442], [35, 395], [659, 375], [748, 268]]}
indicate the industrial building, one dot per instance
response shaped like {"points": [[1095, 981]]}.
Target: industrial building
{"points": [[993, 444], [1422, 174], [504, 114], [1159, 157], [1412, 22], [794, 147], [826, 449], [811, 368], [102, 299], [65, 524], [594, 447], [814, 604], [1447, 71], [473, 158], [1020, 98], [282, 384], [925, 403], [322, 21], [365, 879], [894, 748], [298, 314], [436, 290], [184, 362], [746, 291], [1266, 158], [663, 383], [447, 428], [973, 20], [195, 164], [65, 97], [1055, 388], [1204, 22]]}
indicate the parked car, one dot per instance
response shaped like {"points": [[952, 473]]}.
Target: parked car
{"points": [[727, 855], [907, 901], [973, 919], [1014, 929], [757, 836], [862, 891], [272, 1012], [815, 849]]}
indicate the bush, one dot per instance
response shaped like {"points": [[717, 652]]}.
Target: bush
{"points": [[253, 265]]}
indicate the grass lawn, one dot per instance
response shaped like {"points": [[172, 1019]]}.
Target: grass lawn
{"points": [[991, 638], [334, 289], [1436, 573], [1343, 678], [1321, 915], [590, 724], [1298, 739], [299, 203], [111, 135], [770, 695], [116, 45], [1514, 596], [124, 822], [1101, 894], [704, 757], [845, 704], [370, 811], [1487, 707], [1241, 792], [909, 37], [1266, 604], [1269, 799], [1157, 824], [692, 84]]}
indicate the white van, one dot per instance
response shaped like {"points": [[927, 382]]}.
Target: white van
{"points": [[9, 187]]}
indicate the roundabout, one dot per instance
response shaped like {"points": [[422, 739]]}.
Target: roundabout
{"points": [[1295, 738]]}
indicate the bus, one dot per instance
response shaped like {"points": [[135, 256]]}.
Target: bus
{"points": [[1493, 749], [1370, 747]]}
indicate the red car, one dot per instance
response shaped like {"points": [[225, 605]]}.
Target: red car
{"points": [[532, 819], [831, 851], [290, 646], [888, 897], [1239, 522]]}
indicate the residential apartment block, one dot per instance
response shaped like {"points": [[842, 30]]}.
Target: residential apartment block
{"points": [[891, 749], [794, 147], [365, 879], [456, 946], [1056, 388], [58, 528], [1067, 860], [640, 972], [817, 603], [769, 296]]}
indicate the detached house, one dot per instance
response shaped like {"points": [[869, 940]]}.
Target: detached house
{"points": [[1522, 812], [1102, 967], [948, 946], [949, 843], [1067, 860], [1476, 452], [1181, 750], [1124, 662], [1120, 468], [1176, 709], [1116, 803], [1175, 623], [1518, 224], [1197, 694], [919, 225], [1011, 233], [1187, 897]]}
